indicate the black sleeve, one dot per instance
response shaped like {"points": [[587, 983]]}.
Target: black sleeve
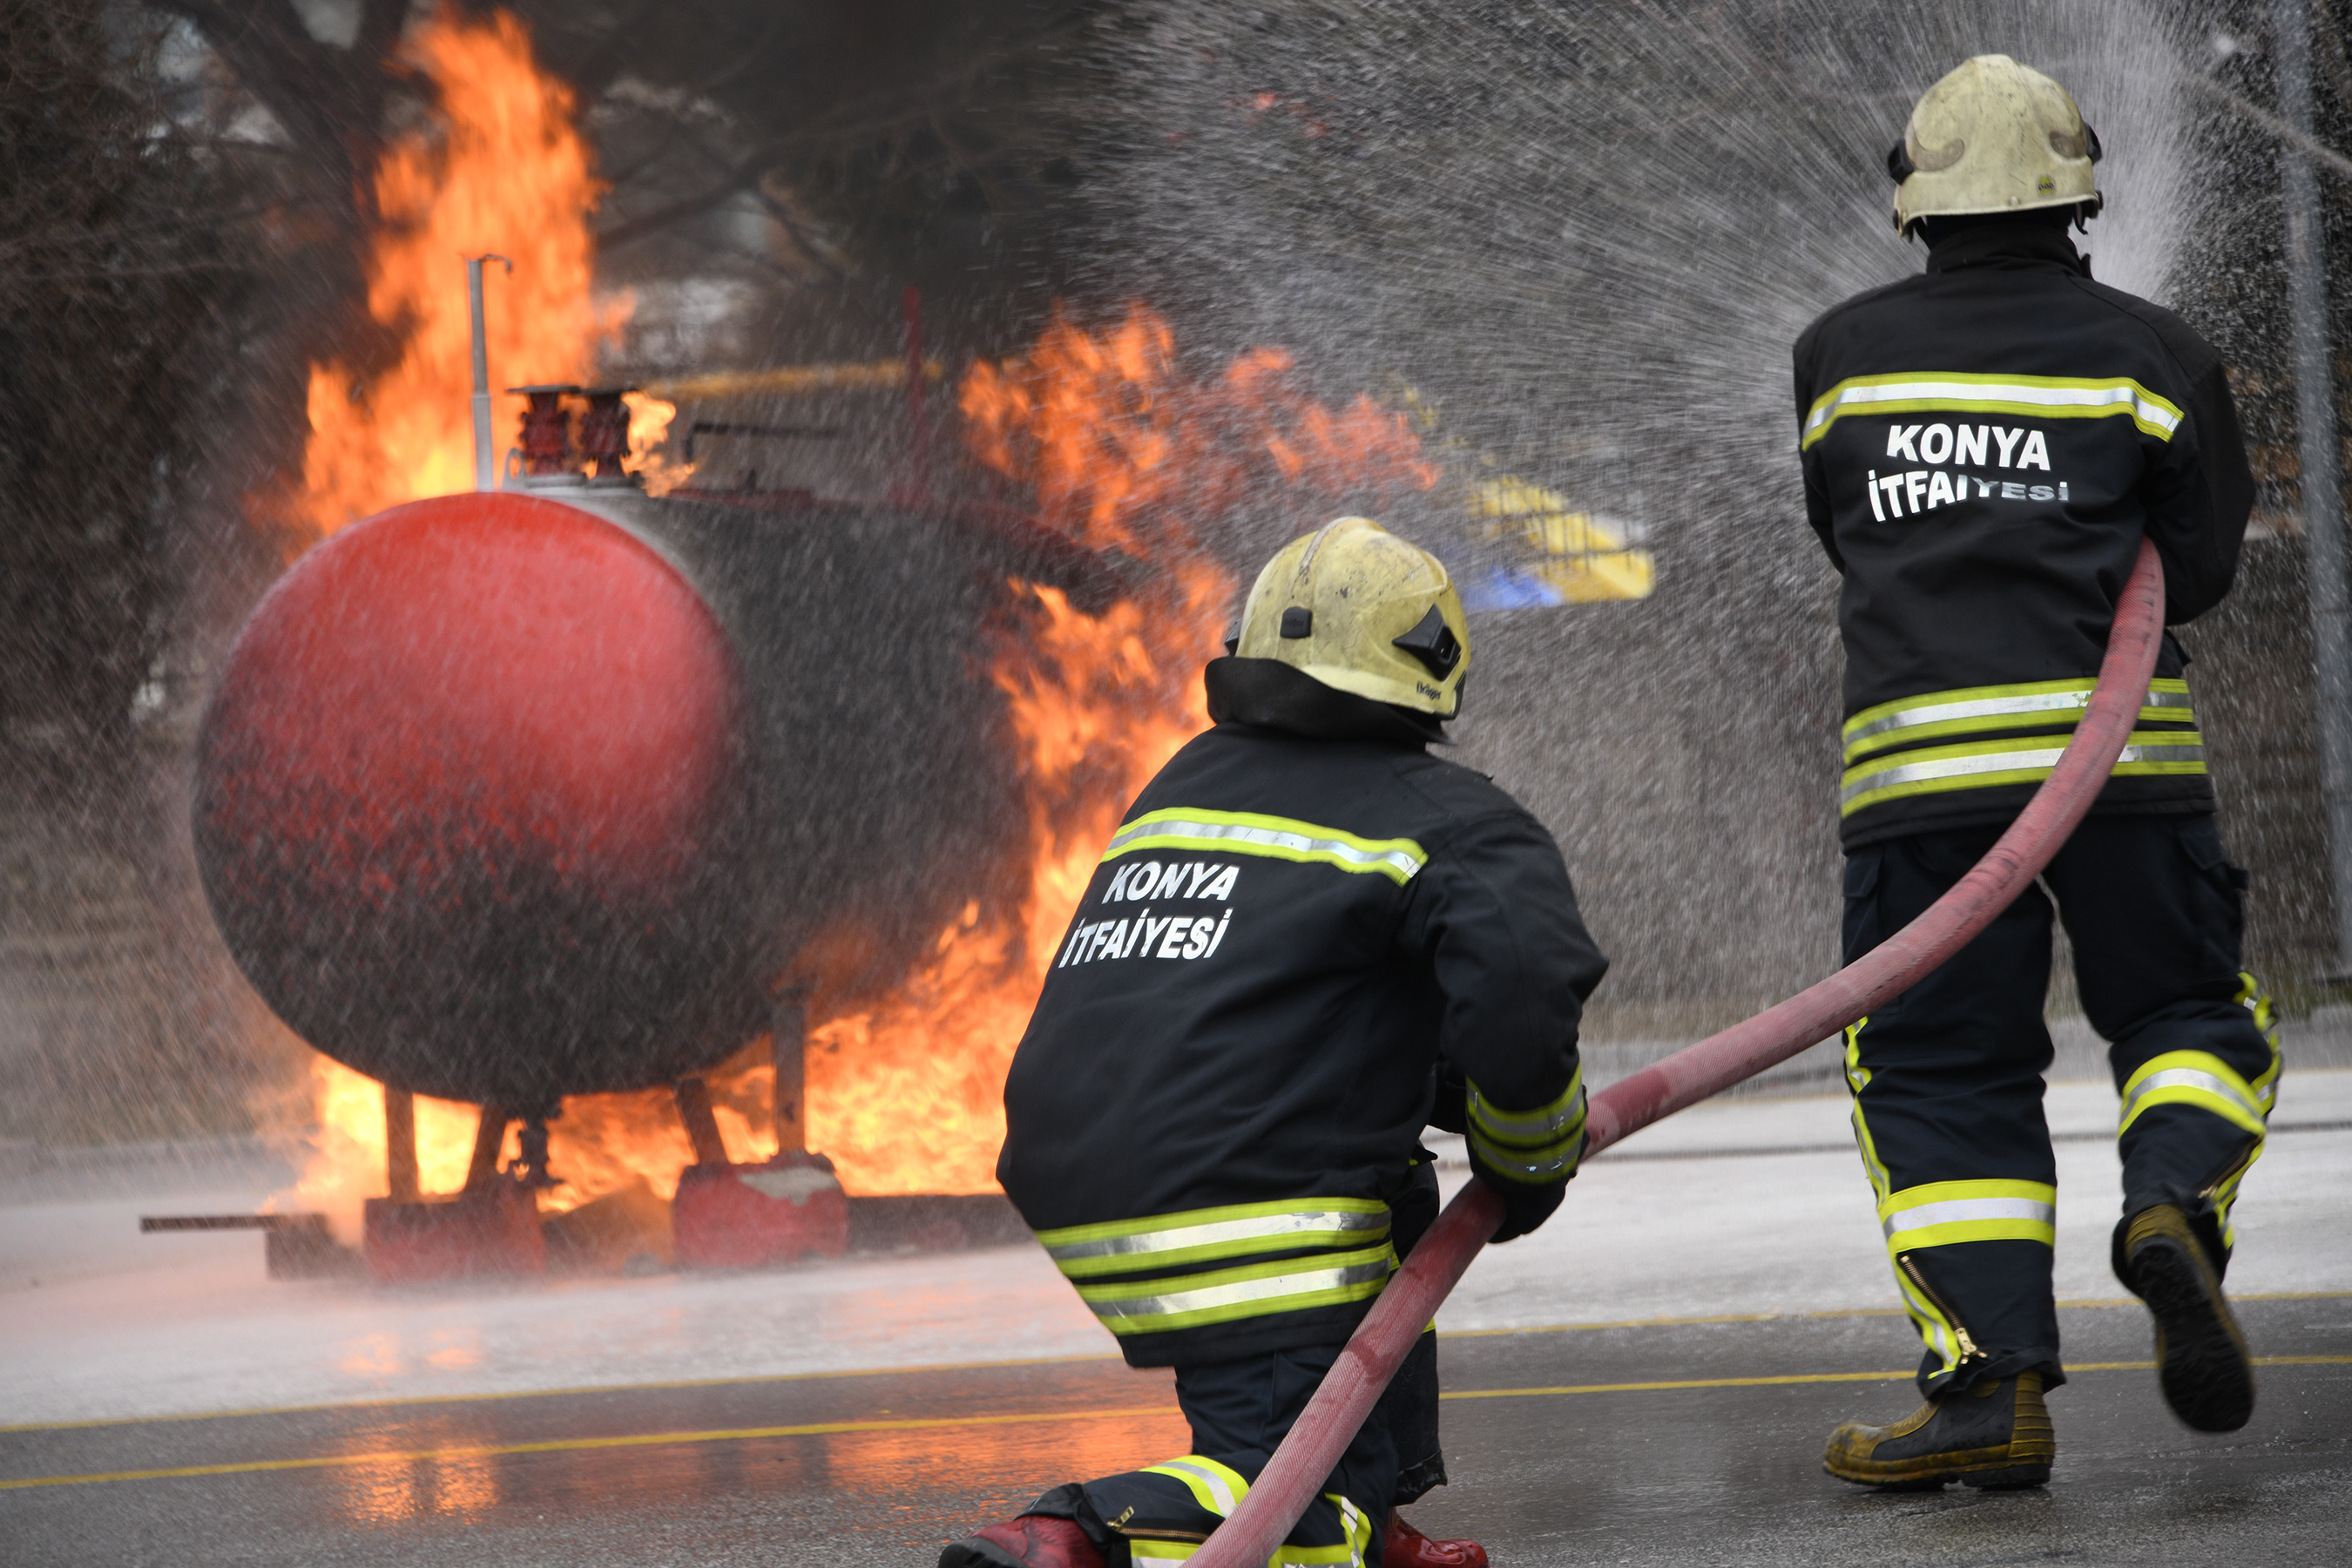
{"points": [[1817, 496], [2199, 492], [1494, 915]]}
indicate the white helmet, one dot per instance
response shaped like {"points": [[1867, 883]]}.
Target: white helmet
{"points": [[1993, 137]]}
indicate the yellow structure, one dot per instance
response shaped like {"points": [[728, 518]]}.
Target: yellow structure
{"points": [[1573, 553], [792, 380]]}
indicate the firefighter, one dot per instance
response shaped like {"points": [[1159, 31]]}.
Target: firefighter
{"points": [[1984, 446], [1307, 933]]}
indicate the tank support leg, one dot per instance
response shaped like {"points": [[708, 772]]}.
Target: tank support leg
{"points": [[489, 1134], [400, 1144], [701, 1128], [789, 1039]]}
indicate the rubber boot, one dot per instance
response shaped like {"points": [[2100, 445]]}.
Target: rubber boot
{"points": [[1403, 1546], [2202, 1359], [1994, 1435], [1030, 1540]]}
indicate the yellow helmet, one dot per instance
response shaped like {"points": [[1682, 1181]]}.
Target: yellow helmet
{"points": [[1362, 611], [1993, 137]]}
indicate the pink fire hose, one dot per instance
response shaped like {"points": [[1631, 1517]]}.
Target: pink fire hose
{"points": [[1333, 1417]]}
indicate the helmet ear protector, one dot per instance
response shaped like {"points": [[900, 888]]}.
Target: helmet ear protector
{"points": [[1899, 166]]}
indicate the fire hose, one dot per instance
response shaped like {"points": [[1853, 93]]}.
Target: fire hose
{"points": [[1331, 1419]]}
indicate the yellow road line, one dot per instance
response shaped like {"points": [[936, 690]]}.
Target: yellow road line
{"points": [[1837, 1377], [831, 1428], [580, 1445], [2084, 1304], [400, 1401]]}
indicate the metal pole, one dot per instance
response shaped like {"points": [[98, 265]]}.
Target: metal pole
{"points": [[485, 469], [2323, 498]]}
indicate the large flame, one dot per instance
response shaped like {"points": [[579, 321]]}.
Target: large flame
{"points": [[499, 169], [1120, 449]]}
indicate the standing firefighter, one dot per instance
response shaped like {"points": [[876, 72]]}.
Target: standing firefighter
{"points": [[1305, 925], [1984, 446]]}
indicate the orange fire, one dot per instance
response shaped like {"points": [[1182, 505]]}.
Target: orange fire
{"points": [[1120, 449], [499, 169]]}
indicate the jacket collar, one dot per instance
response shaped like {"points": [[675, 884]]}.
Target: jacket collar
{"points": [[1272, 695], [2008, 245]]}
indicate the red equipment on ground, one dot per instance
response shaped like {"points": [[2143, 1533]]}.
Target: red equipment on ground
{"points": [[1355, 1381]]}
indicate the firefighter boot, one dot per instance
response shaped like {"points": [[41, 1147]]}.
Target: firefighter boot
{"points": [[1031, 1540], [2202, 1358], [1403, 1546], [1994, 1435]]}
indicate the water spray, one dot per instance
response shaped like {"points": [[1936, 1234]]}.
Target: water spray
{"points": [[1371, 1358]]}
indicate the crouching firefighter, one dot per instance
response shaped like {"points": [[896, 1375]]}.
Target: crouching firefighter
{"points": [[1306, 928], [1984, 446]]}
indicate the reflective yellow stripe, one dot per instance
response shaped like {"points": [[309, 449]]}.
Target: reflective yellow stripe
{"points": [[1934, 1330], [2021, 396], [1985, 765], [1538, 1147], [1941, 1213], [2198, 1078], [1216, 1487], [1200, 1235], [2041, 704], [1857, 1077], [1253, 1290], [1276, 838]]}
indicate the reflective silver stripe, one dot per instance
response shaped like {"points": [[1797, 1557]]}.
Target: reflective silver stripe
{"points": [[2190, 1077], [2124, 397], [1402, 863], [1338, 1224], [1983, 707], [1951, 768], [1533, 1128], [1959, 1211], [2002, 762], [1515, 1163], [1207, 1478], [1997, 707], [1241, 1292]]}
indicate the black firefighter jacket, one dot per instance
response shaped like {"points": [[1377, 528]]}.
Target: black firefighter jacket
{"points": [[1984, 446], [1228, 1071]]}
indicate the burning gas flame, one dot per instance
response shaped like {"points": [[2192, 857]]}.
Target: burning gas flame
{"points": [[1120, 449], [499, 169]]}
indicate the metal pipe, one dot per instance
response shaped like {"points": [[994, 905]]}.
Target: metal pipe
{"points": [[1331, 1419], [400, 1144], [2317, 440], [485, 467]]}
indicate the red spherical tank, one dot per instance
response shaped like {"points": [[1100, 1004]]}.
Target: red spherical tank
{"points": [[473, 807]]}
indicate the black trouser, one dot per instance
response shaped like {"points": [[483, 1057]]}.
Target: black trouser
{"points": [[1946, 1077], [1240, 1410]]}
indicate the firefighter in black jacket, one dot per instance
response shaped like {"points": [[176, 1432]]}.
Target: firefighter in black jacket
{"points": [[1983, 448], [1305, 927]]}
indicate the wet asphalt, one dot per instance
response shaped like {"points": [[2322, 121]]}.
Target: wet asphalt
{"points": [[1566, 1447]]}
